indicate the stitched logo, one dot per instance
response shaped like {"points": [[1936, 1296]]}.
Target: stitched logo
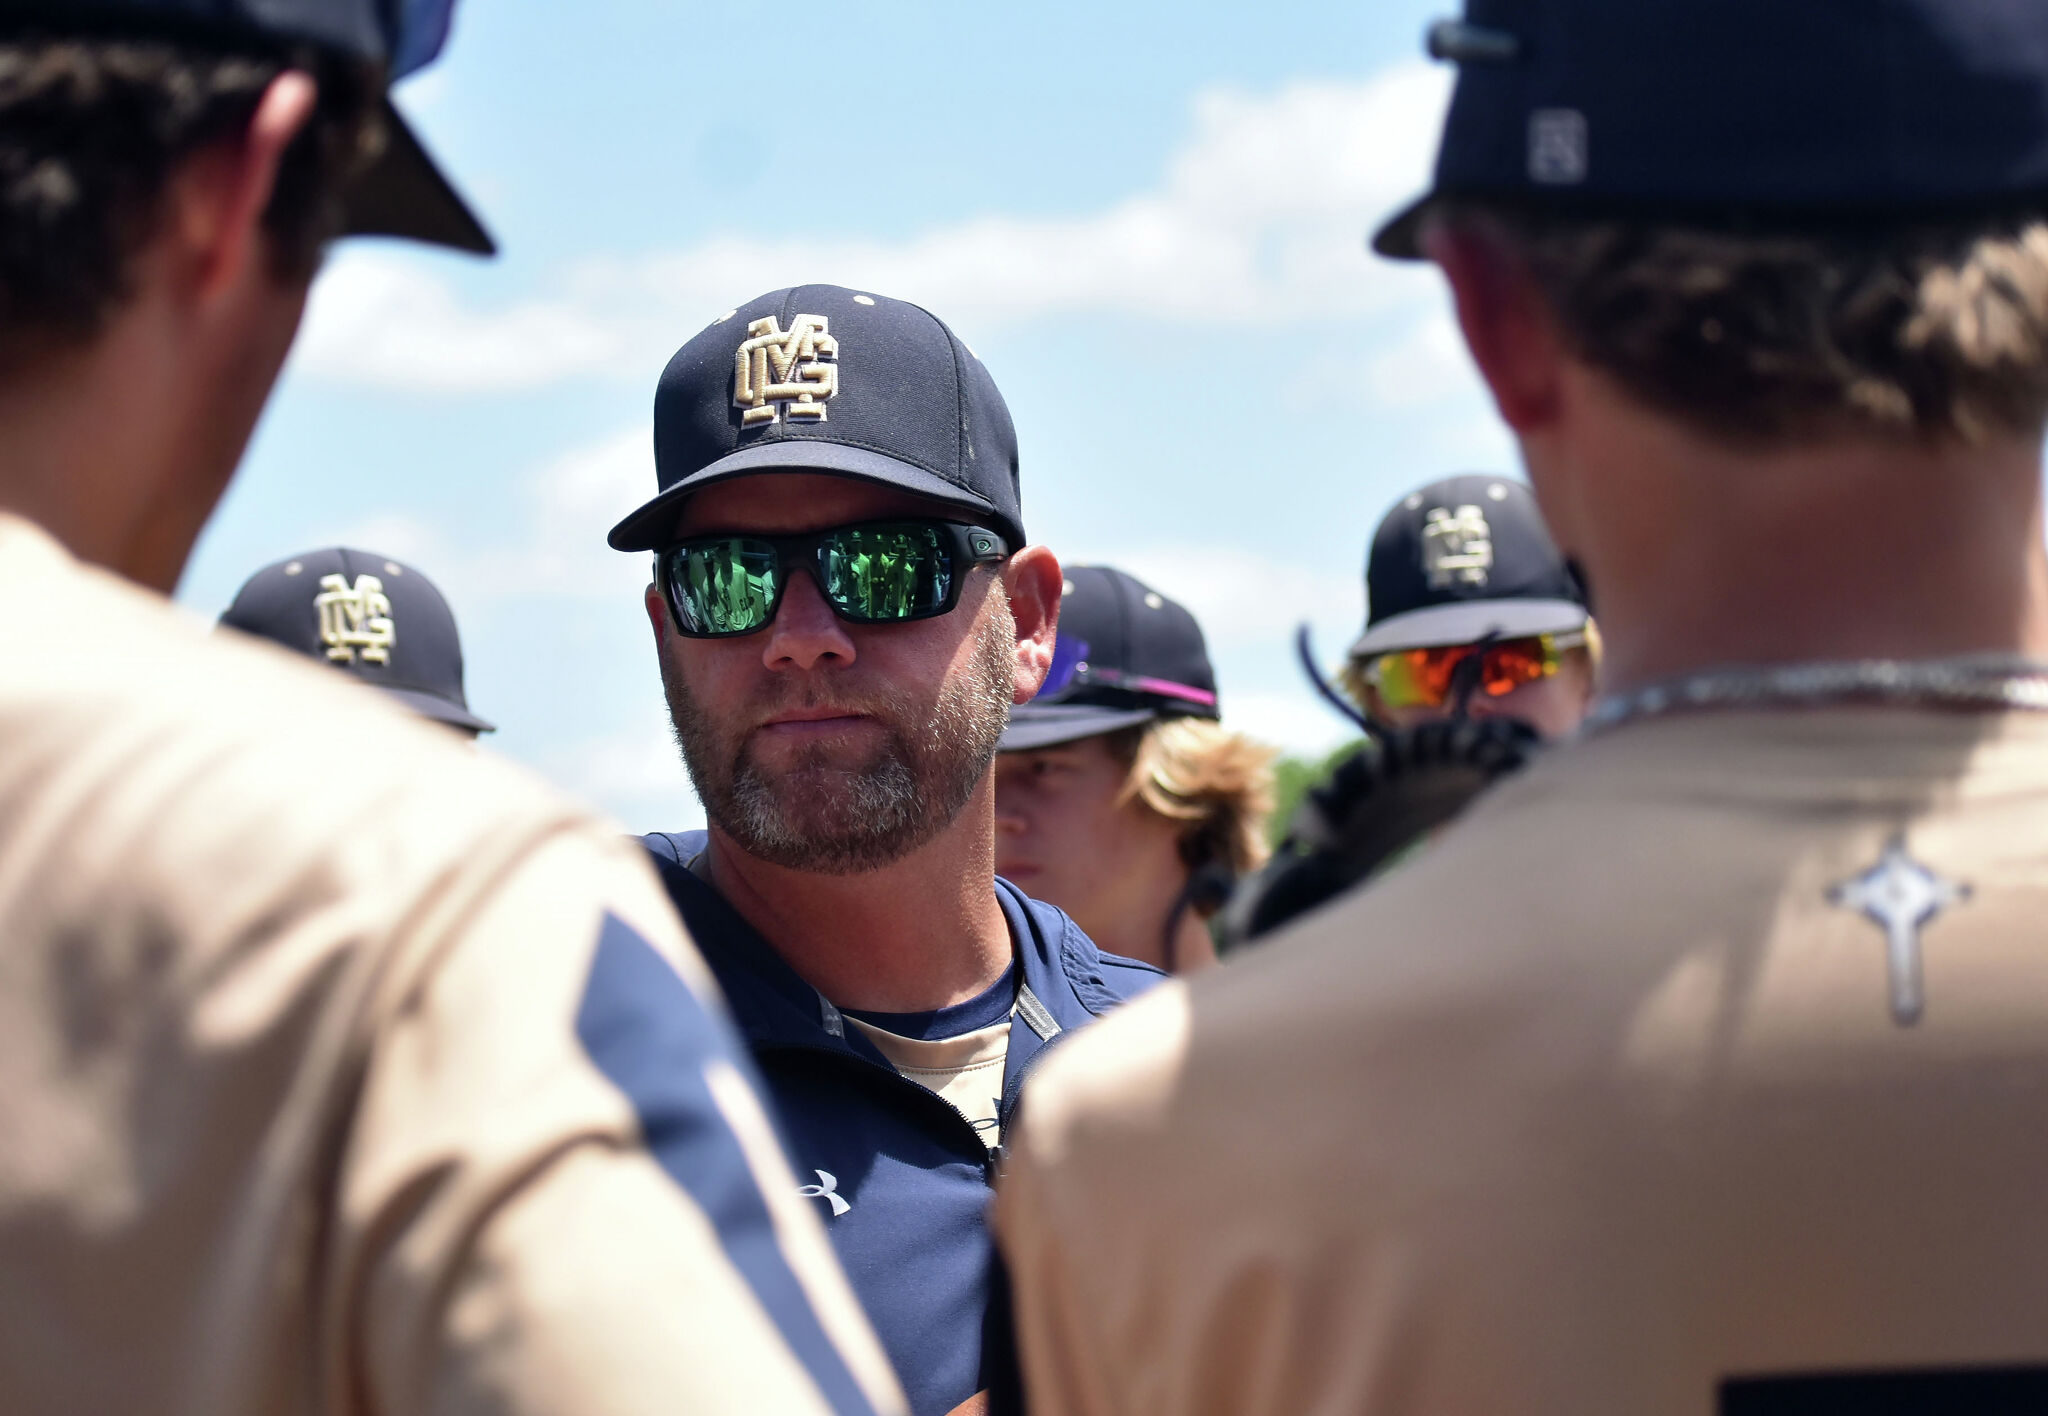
{"points": [[793, 370], [1557, 147], [355, 617], [827, 1189], [1457, 547]]}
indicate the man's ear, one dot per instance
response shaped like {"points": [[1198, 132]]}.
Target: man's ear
{"points": [[1033, 581], [1506, 321], [657, 613], [216, 202]]}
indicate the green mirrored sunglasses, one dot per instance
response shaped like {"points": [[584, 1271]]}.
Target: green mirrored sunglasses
{"points": [[876, 572]]}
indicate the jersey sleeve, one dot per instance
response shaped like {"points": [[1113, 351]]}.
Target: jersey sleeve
{"points": [[1056, 1362], [561, 1192]]}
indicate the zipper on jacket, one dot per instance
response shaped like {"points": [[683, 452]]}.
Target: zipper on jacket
{"points": [[1014, 1092]]}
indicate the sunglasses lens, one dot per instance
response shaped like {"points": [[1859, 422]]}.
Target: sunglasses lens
{"points": [[1416, 678], [1421, 678], [723, 586], [876, 574], [1519, 661]]}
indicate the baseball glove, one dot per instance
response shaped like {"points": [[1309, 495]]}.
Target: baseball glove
{"points": [[1382, 799]]}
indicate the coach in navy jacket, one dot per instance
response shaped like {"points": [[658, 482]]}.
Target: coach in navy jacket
{"points": [[909, 1172], [845, 609]]}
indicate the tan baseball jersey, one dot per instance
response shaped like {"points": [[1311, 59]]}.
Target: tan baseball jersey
{"points": [[345, 1070], [1703, 1068]]}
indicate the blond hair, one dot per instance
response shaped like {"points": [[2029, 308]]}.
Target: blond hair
{"points": [[1217, 784], [1760, 333]]}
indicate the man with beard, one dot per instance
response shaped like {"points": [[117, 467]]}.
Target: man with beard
{"points": [[844, 610]]}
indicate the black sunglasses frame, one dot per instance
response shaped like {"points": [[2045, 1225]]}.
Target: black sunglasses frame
{"points": [[965, 544]]}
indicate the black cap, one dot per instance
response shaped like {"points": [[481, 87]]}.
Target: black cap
{"points": [[1814, 107], [402, 192], [367, 615], [1462, 559], [820, 379], [1125, 655]]}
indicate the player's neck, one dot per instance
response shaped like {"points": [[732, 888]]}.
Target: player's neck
{"points": [[1135, 923], [93, 449], [1194, 948], [1701, 556], [921, 933]]}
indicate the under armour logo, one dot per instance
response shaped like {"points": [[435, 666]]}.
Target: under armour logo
{"points": [[827, 1189], [1457, 547], [775, 368], [355, 617]]}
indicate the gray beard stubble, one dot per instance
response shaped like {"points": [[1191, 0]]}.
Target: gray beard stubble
{"points": [[832, 820]]}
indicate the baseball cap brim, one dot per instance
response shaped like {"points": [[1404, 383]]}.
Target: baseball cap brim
{"points": [[403, 193], [1468, 622], [432, 705], [1400, 236], [1037, 725], [649, 527]]}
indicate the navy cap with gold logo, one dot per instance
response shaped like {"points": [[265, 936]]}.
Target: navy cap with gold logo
{"points": [[374, 618], [1462, 559], [822, 379], [1813, 107]]}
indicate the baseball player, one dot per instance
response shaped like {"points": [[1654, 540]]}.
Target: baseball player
{"points": [[374, 618], [1120, 797], [844, 609], [1478, 646], [340, 1069], [1472, 612], [1698, 1068]]}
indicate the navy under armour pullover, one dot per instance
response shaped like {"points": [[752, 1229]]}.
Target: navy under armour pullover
{"points": [[908, 1171]]}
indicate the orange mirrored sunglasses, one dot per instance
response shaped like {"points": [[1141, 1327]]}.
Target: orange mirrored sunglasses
{"points": [[1421, 678]]}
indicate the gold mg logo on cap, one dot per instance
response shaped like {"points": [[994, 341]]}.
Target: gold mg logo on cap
{"points": [[777, 368], [1457, 547], [355, 617]]}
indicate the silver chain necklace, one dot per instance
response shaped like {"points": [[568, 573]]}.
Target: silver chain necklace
{"points": [[1976, 681]]}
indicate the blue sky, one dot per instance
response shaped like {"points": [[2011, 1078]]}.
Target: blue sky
{"points": [[1147, 219]]}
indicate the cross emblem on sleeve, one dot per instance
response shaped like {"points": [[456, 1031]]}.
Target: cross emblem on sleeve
{"points": [[1900, 896]]}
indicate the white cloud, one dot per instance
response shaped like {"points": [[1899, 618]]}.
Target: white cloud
{"points": [[388, 533], [378, 319], [1249, 605], [557, 550], [1299, 724], [1427, 365], [1238, 595], [1258, 220], [636, 772], [569, 505], [421, 92]]}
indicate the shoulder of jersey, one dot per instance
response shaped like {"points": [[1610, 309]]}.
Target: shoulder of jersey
{"points": [[166, 740]]}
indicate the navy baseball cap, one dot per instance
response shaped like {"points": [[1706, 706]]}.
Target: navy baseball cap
{"points": [[401, 192], [368, 615], [1783, 107], [1462, 559], [820, 379], [1125, 655]]}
